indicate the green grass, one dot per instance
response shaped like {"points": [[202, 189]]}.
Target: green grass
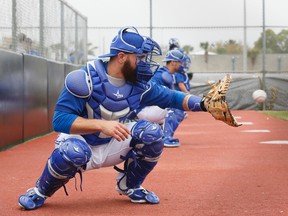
{"points": [[278, 114]]}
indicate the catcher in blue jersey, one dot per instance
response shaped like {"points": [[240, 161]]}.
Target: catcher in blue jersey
{"points": [[174, 117], [169, 118], [181, 82], [91, 116], [182, 79]]}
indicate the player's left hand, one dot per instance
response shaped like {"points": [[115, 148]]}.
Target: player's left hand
{"points": [[216, 104]]}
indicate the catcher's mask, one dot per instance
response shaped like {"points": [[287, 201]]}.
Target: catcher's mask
{"points": [[185, 64]]}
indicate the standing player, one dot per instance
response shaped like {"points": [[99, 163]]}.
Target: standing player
{"points": [[91, 115], [181, 83], [175, 116], [169, 118], [182, 79]]}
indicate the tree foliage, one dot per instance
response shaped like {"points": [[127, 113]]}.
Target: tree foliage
{"points": [[275, 43], [91, 49], [205, 46], [187, 48], [283, 41], [252, 54], [227, 47]]}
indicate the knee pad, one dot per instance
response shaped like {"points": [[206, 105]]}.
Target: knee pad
{"points": [[75, 152], [147, 139], [147, 142], [71, 155], [65, 161]]}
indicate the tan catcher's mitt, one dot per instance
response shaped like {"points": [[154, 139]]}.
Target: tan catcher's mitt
{"points": [[216, 104]]}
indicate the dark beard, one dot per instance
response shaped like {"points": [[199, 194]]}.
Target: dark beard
{"points": [[129, 72]]}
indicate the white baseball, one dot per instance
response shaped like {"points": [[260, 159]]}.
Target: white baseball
{"points": [[259, 96]]}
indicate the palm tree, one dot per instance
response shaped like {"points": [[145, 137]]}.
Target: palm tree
{"points": [[91, 49], [252, 54], [205, 46]]}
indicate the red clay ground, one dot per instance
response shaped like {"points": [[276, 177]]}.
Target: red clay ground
{"points": [[218, 170]]}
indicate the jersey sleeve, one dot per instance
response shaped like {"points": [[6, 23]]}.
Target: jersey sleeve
{"points": [[68, 108], [69, 103], [163, 97]]}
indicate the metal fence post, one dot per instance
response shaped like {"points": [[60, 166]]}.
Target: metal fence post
{"points": [[62, 30], [263, 51], [41, 27], [14, 25], [76, 38]]}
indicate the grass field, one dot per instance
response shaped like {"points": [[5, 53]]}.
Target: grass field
{"points": [[278, 114]]}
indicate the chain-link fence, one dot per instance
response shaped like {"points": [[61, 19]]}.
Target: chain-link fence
{"points": [[54, 30], [51, 29], [232, 59]]}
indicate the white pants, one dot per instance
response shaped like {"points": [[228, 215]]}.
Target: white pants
{"points": [[153, 114], [104, 155]]}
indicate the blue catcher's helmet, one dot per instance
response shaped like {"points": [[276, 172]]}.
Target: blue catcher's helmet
{"points": [[173, 43], [174, 55], [187, 63], [128, 40]]}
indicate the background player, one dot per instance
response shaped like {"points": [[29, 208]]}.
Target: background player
{"points": [[170, 118], [182, 80], [174, 43]]}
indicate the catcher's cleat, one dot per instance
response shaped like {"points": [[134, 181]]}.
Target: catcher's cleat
{"points": [[171, 142], [139, 195], [32, 199]]}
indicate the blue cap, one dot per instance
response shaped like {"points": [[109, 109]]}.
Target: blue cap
{"points": [[174, 55], [126, 41]]}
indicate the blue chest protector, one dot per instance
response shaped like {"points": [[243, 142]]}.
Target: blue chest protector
{"points": [[104, 100], [182, 77], [163, 77]]}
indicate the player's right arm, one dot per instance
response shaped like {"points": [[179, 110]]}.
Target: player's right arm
{"points": [[110, 128], [69, 117]]}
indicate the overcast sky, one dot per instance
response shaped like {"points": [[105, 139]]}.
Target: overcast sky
{"points": [[182, 13]]}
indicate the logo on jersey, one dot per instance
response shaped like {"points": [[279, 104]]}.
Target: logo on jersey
{"points": [[76, 148], [118, 95], [154, 127]]}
